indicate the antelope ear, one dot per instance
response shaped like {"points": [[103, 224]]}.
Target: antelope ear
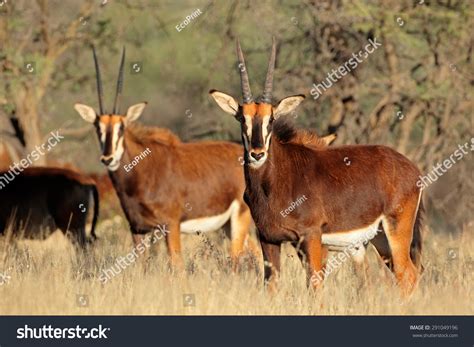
{"points": [[86, 112], [225, 101], [287, 105], [134, 112], [328, 139]]}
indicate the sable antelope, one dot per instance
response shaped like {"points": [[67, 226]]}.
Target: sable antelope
{"points": [[189, 187], [344, 202], [40, 200], [107, 195]]}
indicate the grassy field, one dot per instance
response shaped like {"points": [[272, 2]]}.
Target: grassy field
{"points": [[46, 277]]}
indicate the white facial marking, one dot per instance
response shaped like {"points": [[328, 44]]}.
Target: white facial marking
{"points": [[266, 120], [103, 133], [247, 139], [117, 148], [115, 134], [248, 123], [255, 164], [211, 223]]}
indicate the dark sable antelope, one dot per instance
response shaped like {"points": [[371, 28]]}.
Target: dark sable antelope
{"points": [[40, 200], [189, 187], [343, 202]]}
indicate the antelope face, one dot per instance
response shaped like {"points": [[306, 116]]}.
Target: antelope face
{"points": [[256, 128], [256, 121], [256, 118], [111, 131]]}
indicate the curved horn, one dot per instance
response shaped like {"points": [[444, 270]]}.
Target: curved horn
{"points": [[118, 93], [244, 77], [100, 91], [267, 91]]}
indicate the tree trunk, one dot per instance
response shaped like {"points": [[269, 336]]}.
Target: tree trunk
{"points": [[27, 114]]}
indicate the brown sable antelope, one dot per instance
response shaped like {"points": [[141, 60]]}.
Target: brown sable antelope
{"points": [[160, 180], [40, 200], [349, 190]]}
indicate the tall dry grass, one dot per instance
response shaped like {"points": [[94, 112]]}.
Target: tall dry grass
{"points": [[46, 277]]}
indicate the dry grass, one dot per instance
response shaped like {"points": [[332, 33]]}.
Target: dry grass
{"points": [[46, 277]]}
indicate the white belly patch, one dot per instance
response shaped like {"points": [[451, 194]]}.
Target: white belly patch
{"points": [[341, 240], [212, 223]]}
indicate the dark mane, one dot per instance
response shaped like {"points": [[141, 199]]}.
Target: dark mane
{"points": [[286, 132], [142, 134]]}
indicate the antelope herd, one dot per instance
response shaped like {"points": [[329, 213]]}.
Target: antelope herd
{"points": [[201, 186]]}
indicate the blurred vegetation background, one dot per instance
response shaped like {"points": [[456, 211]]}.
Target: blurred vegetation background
{"points": [[414, 93]]}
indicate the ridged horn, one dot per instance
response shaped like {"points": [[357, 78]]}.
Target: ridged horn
{"points": [[267, 91], [100, 91], [118, 92], [244, 77]]}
